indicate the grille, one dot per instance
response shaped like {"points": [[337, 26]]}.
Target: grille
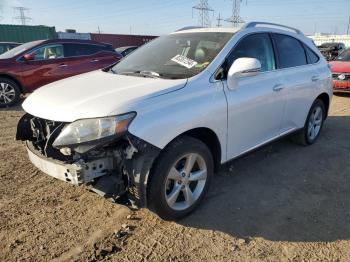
{"points": [[336, 76]]}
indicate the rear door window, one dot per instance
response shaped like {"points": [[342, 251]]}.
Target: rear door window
{"points": [[290, 51], [73, 50]]}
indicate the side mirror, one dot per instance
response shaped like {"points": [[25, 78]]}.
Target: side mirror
{"points": [[242, 67], [29, 57]]}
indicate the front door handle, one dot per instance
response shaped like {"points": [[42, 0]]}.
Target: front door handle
{"points": [[63, 65], [94, 60], [278, 87], [315, 78]]}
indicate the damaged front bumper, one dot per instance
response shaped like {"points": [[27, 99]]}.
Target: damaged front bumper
{"points": [[77, 173], [112, 169]]}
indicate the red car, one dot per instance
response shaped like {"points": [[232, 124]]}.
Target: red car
{"points": [[34, 64], [341, 72]]}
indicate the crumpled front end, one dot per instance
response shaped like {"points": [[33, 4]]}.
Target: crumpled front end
{"points": [[111, 167]]}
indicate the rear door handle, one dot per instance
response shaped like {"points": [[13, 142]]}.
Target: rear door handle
{"points": [[94, 60], [315, 78], [278, 87], [63, 65]]}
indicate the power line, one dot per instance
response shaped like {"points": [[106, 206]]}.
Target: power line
{"points": [[204, 9], [22, 17], [219, 19], [235, 19]]}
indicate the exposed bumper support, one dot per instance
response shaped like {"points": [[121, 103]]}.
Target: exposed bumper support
{"points": [[109, 176], [76, 173]]}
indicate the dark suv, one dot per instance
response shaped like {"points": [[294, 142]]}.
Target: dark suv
{"points": [[331, 50], [6, 46], [34, 64]]}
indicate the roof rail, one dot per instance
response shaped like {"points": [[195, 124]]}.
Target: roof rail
{"points": [[188, 28], [255, 24]]}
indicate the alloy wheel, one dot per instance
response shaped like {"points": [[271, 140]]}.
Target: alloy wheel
{"points": [[185, 181], [7, 93], [315, 123]]}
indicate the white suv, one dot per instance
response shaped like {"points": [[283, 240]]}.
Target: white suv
{"points": [[157, 125]]}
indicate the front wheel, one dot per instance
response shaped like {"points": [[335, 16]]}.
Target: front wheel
{"points": [[180, 178], [9, 93], [313, 124]]}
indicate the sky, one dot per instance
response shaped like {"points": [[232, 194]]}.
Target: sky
{"points": [[158, 17]]}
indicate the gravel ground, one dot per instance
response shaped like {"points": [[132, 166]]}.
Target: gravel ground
{"points": [[281, 203]]}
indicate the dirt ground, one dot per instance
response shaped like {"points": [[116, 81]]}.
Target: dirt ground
{"points": [[282, 203]]}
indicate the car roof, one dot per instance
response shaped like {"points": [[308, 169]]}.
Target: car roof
{"points": [[11, 43], [123, 48], [207, 30], [74, 41], [255, 26]]}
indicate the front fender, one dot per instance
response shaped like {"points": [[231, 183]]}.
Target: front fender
{"points": [[164, 118]]}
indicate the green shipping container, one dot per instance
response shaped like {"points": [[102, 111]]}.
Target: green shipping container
{"points": [[26, 33]]}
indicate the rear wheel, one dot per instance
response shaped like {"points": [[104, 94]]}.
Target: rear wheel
{"points": [[313, 125], [180, 178], [9, 92]]}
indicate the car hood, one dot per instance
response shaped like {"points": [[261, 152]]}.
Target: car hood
{"points": [[340, 66], [95, 94]]}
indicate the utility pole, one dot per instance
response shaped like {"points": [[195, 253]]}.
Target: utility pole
{"points": [[347, 31], [219, 19], [204, 9], [235, 19], [98, 30], [22, 16]]}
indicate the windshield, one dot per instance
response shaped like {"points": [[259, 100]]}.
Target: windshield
{"points": [[176, 56], [344, 56], [19, 49]]}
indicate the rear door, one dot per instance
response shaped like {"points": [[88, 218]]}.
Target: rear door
{"points": [[88, 57], [80, 58], [301, 79], [105, 56]]}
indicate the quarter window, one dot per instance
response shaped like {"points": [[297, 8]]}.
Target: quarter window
{"points": [[257, 46], [312, 58], [291, 52]]}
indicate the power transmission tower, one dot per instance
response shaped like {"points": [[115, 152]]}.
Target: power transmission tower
{"points": [[204, 9], [235, 19], [22, 15], [219, 19]]}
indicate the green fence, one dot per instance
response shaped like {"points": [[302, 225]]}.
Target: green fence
{"points": [[24, 33]]}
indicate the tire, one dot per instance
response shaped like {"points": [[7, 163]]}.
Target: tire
{"points": [[9, 92], [169, 178], [304, 137]]}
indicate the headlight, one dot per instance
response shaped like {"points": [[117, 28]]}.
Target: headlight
{"points": [[87, 130]]}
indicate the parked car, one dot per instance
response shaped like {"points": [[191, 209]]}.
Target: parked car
{"points": [[341, 72], [6, 46], [331, 50], [159, 123], [126, 50], [34, 64]]}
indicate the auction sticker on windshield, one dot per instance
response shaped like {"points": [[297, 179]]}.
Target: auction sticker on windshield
{"points": [[184, 61]]}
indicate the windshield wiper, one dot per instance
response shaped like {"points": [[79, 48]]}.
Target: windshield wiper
{"points": [[150, 74], [145, 73]]}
